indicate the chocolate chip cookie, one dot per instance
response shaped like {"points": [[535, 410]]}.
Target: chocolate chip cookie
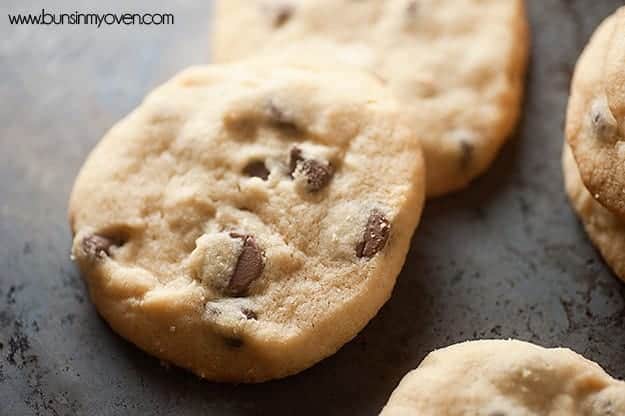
{"points": [[456, 66], [595, 127], [247, 220], [506, 378], [594, 155], [606, 230]]}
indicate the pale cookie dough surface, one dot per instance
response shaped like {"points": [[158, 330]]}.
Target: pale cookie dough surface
{"points": [[456, 66], [595, 127], [606, 230], [506, 378], [247, 220]]}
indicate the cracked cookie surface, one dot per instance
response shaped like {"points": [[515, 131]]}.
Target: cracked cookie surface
{"points": [[247, 220], [456, 66], [506, 378], [595, 126]]}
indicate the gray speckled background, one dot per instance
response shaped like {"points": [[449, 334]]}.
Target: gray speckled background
{"points": [[506, 258]]}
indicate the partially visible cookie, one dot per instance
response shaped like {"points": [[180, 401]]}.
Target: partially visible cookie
{"points": [[506, 378], [245, 221], [456, 66], [606, 230], [615, 72], [595, 127]]}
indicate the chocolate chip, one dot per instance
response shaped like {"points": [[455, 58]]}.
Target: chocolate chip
{"points": [[249, 266], [249, 314], [233, 342], [466, 150], [96, 246], [603, 121], [375, 236], [294, 158], [317, 174], [257, 169], [280, 14]]}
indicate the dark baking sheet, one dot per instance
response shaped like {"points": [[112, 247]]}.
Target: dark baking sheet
{"points": [[505, 258]]}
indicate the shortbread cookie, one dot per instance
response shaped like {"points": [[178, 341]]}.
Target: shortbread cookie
{"points": [[606, 230], [595, 127], [506, 378], [247, 220], [456, 66]]}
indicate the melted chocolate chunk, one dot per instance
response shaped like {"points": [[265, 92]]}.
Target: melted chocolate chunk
{"points": [[249, 266], [375, 236], [317, 174], [96, 246], [257, 169]]}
